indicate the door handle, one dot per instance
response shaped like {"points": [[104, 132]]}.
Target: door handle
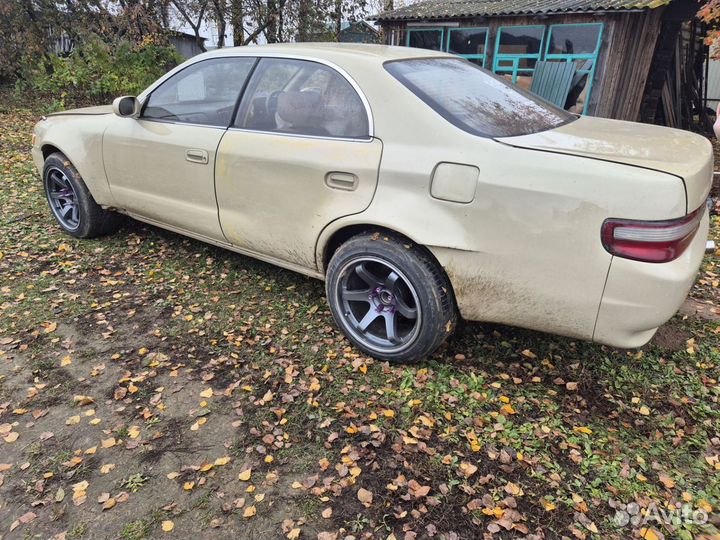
{"points": [[341, 180], [196, 155]]}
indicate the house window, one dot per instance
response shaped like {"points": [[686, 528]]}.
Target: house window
{"points": [[425, 38], [578, 43], [517, 48], [470, 43]]}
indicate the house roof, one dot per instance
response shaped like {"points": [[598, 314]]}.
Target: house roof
{"points": [[447, 9]]}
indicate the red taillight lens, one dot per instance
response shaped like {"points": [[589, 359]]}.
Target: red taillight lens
{"points": [[650, 241]]}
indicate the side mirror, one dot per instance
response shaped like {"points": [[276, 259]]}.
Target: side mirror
{"points": [[126, 106]]}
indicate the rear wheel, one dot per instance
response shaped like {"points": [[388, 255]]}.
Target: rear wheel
{"points": [[391, 299], [71, 203]]}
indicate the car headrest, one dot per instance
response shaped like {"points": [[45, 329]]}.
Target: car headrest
{"points": [[298, 108]]}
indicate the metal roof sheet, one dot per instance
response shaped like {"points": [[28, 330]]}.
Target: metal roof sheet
{"points": [[445, 9]]}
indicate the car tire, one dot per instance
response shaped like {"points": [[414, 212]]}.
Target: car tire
{"points": [[391, 298], [72, 204]]}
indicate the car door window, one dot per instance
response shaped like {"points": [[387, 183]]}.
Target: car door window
{"points": [[302, 97], [203, 93]]}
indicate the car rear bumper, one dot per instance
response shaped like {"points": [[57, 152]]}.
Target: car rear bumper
{"points": [[639, 297]]}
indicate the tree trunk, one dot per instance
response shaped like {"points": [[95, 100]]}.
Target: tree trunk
{"points": [[338, 19], [236, 20], [220, 22], [271, 33]]}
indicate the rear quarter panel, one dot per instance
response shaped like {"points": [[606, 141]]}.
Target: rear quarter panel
{"points": [[526, 251]]}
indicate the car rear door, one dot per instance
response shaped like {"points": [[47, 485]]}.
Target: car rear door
{"points": [[299, 155], [161, 166]]}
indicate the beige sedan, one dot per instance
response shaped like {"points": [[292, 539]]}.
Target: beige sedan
{"points": [[419, 186]]}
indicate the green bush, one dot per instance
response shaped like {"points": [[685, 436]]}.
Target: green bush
{"points": [[97, 71]]}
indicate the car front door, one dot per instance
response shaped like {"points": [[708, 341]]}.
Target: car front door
{"points": [[161, 166], [300, 154]]}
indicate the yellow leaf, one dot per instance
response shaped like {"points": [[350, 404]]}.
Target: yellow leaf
{"points": [[389, 413], [51, 327], [245, 475], [648, 534], [134, 432], [222, 460], [250, 511], [167, 525], [199, 422], [11, 437], [326, 513], [187, 486], [66, 361], [583, 429], [107, 468], [206, 393], [90, 451], [268, 459], [549, 507], [73, 420], [107, 443], [644, 410], [294, 534], [107, 505]]}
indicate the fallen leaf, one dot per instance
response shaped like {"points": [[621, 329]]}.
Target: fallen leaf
{"points": [[167, 525], [326, 513], [245, 475], [365, 496], [467, 469], [250, 511], [668, 482]]}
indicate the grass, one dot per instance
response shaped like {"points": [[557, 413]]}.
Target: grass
{"points": [[552, 458]]}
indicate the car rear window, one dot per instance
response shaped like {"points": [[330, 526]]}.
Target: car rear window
{"points": [[476, 100]]}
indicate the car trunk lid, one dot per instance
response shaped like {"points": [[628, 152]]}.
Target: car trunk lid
{"points": [[683, 154]]}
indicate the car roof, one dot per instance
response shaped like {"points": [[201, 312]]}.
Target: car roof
{"points": [[336, 52]]}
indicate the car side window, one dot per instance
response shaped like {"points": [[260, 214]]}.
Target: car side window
{"points": [[203, 93], [304, 98]]}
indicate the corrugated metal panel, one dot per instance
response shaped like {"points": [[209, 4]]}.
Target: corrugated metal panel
{"points": [[445, 9]]}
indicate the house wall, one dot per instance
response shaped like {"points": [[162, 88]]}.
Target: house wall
{"points": [[625, 57]]}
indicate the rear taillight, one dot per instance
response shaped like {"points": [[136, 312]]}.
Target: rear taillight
{"points": [[650, 241]]}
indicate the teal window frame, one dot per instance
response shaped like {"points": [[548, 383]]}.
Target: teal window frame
{"points": [[590, 72], [515, 68], [483, 56], [426, 29]]}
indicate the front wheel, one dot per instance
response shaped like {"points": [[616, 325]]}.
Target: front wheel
{"points": [[71, 202], [391, 299]]}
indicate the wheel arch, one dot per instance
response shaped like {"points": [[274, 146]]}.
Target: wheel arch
{"points": [[83, 150], [330, 241], [48, 149]]}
